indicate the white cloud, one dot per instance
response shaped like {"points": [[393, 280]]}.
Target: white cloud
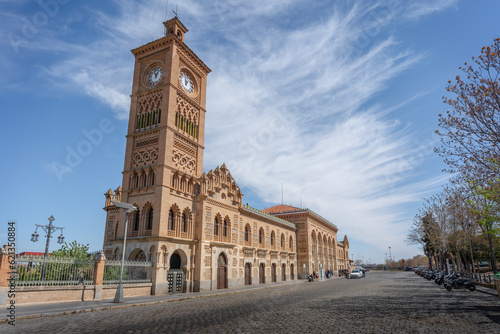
{"points": [[287, 101]]}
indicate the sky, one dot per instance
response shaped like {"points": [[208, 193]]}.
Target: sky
{"points": [[335, 102]]}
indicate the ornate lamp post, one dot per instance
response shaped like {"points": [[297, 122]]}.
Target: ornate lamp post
{"points": [[128, 208], [49, 229]]}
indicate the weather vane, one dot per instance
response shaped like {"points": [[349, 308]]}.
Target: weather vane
{"points": [[176, 10]]}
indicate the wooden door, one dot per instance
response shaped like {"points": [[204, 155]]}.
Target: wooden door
{"points": [[221, 272], [248, 274], [262, 277], [273, 272], [283, 272]]}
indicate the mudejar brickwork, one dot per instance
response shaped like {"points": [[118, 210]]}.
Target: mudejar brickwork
{"points": [[192, 223]]}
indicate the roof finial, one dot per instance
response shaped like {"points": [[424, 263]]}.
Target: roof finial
{"points": [[176, 10], [166, 16]]}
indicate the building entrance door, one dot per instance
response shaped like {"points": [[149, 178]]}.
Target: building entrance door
{"points": [[273, 272], [248, 274], [175, 279], [283, 272], [222, 272], [262, 274], [292, 276]]}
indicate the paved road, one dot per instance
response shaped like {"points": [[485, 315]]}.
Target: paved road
{"points": [[379, 303]]}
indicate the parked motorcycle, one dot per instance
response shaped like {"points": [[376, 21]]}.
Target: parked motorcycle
{"points": [[440, 278], [460, 283]]}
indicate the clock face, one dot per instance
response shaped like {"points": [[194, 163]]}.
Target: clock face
{"points": [[186, 82], [155, 75]]}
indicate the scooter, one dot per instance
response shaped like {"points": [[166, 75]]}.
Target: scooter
{"points": [[461, 283], [310, 278], [440, 278]]}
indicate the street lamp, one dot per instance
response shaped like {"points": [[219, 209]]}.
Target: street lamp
{"points": [[49, 229], [128, 208]]}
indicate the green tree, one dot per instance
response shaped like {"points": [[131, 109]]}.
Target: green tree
{"points": [[486, 204], [470, 130], [73, 250]]}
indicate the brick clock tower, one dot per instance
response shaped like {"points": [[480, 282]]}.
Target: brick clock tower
{"points": [[164, 152]]}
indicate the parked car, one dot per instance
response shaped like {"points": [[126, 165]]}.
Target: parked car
{"points": [[408, 268], [483, 266], [356, 273]]}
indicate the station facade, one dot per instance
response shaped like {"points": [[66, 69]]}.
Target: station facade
{"points": [[192, 224]]}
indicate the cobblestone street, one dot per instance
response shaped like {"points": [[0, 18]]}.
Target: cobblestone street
{"points": [[380, 303]]}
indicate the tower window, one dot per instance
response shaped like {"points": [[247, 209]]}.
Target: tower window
{"points": [[136, 220], [150, 219], [216, 226], [171, 220], [224, 229], [184, 222]]}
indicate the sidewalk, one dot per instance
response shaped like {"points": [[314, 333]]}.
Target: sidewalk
{"points": [[488, 291], [55, 309]]}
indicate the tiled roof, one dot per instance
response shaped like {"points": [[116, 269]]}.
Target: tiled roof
{"points": [[268, 215], [281, 209], [32, 254]]}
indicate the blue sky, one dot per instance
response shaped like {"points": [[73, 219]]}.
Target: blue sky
{"points": [[337, 100]]}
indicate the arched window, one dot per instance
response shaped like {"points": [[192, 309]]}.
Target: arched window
{"points": [[136, 220], [184, 222], [291, 244], [272, 238], [246, 233], [150, 219], [282, 241], [224, 229], [261, 236], [216, 226], [171, 220]]}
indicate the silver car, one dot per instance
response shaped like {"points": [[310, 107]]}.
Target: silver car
{"points": [[356, 273]]}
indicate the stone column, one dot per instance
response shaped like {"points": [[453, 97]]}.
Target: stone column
{"points": [[159, 276], [99, 262]]}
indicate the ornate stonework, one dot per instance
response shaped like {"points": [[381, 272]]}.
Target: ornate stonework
{"points": [[145, 157]]}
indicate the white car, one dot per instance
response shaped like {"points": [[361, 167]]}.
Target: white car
{"points": [[356, 273]]}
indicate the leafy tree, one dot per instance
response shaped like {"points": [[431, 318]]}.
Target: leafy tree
{"points": [[470, 130], [73, 250], [487, 206]]}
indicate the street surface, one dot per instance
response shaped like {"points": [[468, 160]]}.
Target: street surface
{"points": [[380, 303]]}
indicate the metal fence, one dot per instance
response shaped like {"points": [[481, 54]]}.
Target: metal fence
{"points": [[483, 278], [37, 271], [133, 272]]}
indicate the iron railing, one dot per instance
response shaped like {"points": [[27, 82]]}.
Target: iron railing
{"points": [[133, 272], [37, 271]]}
